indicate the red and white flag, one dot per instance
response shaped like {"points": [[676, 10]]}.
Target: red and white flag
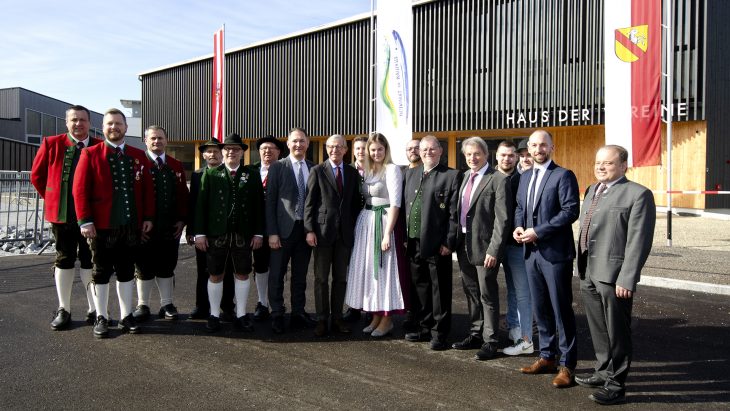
{"points": [[632, 56], [219, 74]]}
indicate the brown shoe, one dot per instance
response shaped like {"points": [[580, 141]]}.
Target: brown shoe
{"points": [[340, 326], [321, 329], [541, 366], [564, 379]]}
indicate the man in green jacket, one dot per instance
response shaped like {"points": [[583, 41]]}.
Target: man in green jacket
{"points": [[229, 224]]}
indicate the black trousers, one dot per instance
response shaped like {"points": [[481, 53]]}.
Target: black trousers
{"points": [[114, 251], [609, 320], [334, 259], [431, 278], [157, 256], [296, 249], [261, 257], [70, 245]]}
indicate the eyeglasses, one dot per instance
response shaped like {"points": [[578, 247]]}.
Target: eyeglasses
{"points": [[334, 147], [604, 163]]}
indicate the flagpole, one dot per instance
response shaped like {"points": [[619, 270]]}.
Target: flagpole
{"points": [[670, 110], [223, 81], [371, 67]]}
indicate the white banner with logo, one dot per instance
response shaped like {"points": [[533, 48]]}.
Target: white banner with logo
{"points": [[394, 80]]}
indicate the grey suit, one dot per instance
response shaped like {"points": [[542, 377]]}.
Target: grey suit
{"points": [[281, 220], [621, 231], [487, 228]]}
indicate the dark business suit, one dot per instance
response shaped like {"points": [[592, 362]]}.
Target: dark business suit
{"points": [[549, 260], [487, 229], [621, 231], [281, 220], [331, 216], [430, 271]]}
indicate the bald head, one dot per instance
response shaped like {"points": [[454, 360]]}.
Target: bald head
{"points": [[540, 146]]}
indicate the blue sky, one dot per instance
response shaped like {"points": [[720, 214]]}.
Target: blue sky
{"points": [[90, 52]]}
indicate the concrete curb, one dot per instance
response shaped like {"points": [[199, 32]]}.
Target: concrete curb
{"points": [[687, 285]]}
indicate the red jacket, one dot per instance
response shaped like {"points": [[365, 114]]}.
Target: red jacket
{"points": [[48, 172], [93, 186]]}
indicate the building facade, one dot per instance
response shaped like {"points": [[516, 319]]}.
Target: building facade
{"points": [[493, 68]]}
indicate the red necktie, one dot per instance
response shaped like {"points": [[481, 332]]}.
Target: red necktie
{"points": [[467, 199], [338, 179]]}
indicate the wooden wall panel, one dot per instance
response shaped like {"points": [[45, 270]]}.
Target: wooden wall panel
{"points": [[688, 166]]}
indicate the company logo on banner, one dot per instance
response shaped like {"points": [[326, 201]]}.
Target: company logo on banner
{"points": [[632, 56], [394, 99]]}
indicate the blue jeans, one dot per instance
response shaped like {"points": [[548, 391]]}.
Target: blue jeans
{"points": [[519, 305]]}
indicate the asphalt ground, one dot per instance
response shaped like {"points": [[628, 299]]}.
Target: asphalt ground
{"points": [[680, 358]]}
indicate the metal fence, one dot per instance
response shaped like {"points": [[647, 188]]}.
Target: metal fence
{"points": [[21, 210]]}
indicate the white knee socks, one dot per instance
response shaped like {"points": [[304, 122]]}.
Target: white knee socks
{"points": [[215, 295], [64, 280], [144, 289], [85, 274], [262, 287], [165, 286], [241, 287], [101, 299], [125, 292]]}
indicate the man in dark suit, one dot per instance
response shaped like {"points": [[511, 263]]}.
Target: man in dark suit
{"points": [[431, 195], [547, 205], [228, 226], [330, 212], [616, 234], [286, 192], [213, 158], [483, 219], [269, 150]]}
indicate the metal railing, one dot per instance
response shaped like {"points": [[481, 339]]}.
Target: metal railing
{"points": [[21, 209]]}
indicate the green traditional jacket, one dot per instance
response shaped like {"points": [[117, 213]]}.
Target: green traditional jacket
{"points": [[225, 206]]}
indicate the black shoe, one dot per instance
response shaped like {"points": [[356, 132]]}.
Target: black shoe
{"points": [[261, 313], [352, 315], [438, 344], [300, 321], [91, 317], [277, 324], [487, 352], [590, 381], [228, 316], [244, 324], [101, 327], [608, 397], [213, 325], [61, 320], [471, 342], [168, 312], [141, 313], [129, 324], [199, 314], [419, 336]]}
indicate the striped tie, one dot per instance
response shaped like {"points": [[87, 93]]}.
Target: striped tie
{"points": [[587, 220], [301, 191]]}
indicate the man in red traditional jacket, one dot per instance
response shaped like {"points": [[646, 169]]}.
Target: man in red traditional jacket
{"points": [[158, 258], [52, 175], [115, 204]]}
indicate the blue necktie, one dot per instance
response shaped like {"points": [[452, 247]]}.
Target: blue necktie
{"points": [[530, 211]]}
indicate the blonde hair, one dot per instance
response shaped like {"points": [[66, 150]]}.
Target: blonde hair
{"points": [[370, 166]]}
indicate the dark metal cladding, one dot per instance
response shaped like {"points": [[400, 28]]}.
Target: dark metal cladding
{"points": [[478, 64]]}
